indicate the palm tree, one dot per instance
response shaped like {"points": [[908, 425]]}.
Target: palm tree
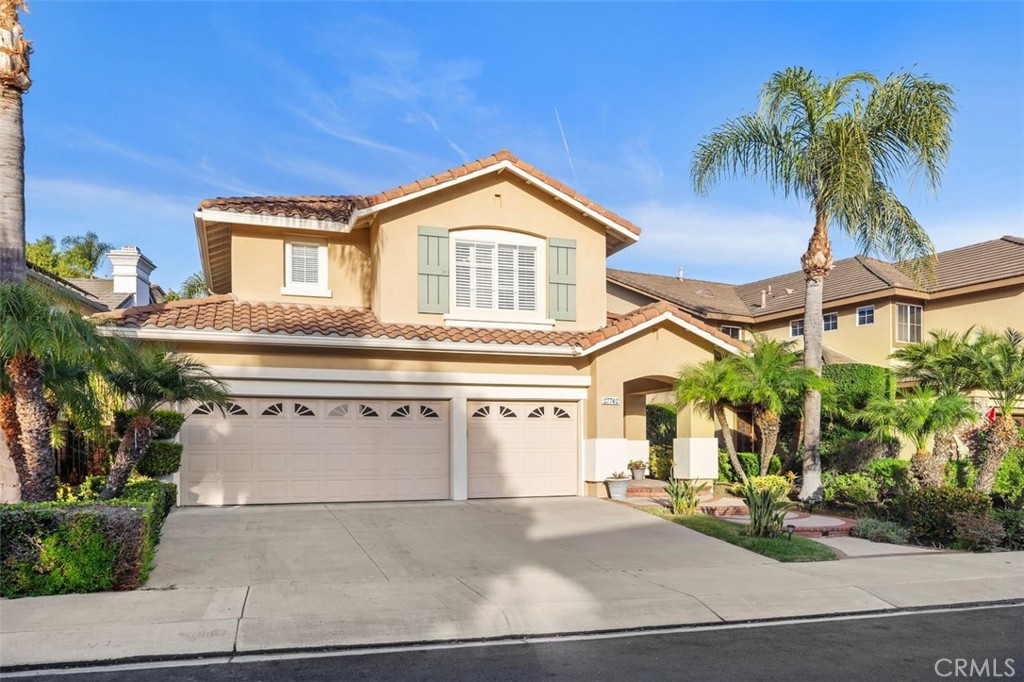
{"points": [[38, 339], [770, 378], [918, 416], [706, 386], [14, 82], [1000, 363], [946, 363], [837, 145], [194, 286], [146, 377]]}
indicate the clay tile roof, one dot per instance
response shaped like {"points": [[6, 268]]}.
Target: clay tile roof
{"points": [[225, 312], [340, 208]]}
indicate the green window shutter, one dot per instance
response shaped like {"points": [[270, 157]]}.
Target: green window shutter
{"points": [[433, 269], [562, 279]]}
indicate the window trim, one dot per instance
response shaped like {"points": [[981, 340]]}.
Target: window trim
{"points": [[825, 316], [739, 331], [792, 328], [896, 322], [866, 308], [319, 289], [526, 319]]}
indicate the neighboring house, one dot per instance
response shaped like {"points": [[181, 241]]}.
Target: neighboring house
{"points": [[871, 307], [128, 285], [446, 339]]}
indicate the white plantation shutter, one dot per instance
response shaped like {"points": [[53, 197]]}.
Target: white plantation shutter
{"points": [[506, 277], [526, 274], [305, 264], [495, 276], [483, 272]]}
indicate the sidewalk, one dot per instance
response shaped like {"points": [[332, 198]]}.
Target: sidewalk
{"points": [[523, 599]]}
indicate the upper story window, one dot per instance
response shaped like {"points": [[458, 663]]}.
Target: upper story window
{"points": [[865, 315], [305, 268], [498, 276], [830, 321], [796, 327], [731, 331], [908, 323]]}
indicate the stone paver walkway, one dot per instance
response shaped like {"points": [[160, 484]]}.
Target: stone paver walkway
{"points": [[807, 525]]}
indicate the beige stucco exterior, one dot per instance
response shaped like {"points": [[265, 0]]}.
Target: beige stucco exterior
{"points": [[993, 309]]}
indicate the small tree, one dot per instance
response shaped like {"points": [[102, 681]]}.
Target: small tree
{"points": [[78, 256], [771, 379], [148, 376], [194, 286], [706, 387], [918, 417], [1000, 364]]}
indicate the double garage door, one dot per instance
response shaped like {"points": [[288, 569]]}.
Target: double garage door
{"points": [[280, 450]]}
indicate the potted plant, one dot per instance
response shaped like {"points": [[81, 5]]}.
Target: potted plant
{"points": [[617, 484], [637, 467]]}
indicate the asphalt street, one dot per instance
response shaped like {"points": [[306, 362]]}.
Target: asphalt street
{"points": [[956, 645]]}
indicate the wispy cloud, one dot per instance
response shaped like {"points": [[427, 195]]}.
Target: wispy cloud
{"points": [[92, 198], [201, 171]]}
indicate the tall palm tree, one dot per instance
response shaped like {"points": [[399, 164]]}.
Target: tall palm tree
{"points": [[770, 378], [1000, 363], [38, 337], [918, 416], [148, 376], [946, 363], [837, 145], [14, 82], [706, 387]]}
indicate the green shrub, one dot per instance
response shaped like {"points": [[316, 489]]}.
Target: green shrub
{"points": [[777, 485], [82, 546], [682, 496], [880, 531], [750, 462], [977, 533], [960, 473], [849, 489], [168, 422], [930, 512], [892, 476], [1009, 484], [163, 457], [661, 461], [767, 512], [855, 383], [1012, 521]]}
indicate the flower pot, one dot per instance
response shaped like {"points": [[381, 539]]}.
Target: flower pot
{"points": [[638, 474], [617, 487]]}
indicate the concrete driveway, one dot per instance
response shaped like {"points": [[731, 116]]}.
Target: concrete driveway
{"points": [[249, 579]]}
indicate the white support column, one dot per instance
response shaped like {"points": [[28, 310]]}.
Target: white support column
{"points": [[458, 446]]}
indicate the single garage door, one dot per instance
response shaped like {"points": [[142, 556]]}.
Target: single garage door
{"points": [[519, 449], [271, 450]]}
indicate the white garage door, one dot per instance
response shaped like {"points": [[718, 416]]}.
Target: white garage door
{"points": [[269, 450], [519, 449]]}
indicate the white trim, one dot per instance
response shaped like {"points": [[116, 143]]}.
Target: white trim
{"points": [[865, 307], [664, 317], [395, 377], [516, 319], [210, 215], [319, 288], [498, 167], [458, 449], [255, 388], [360, 342], [497, 321], [314, 293]]}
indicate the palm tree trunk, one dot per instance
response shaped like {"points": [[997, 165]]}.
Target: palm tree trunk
{"points": [[768, 423], [26, 375], [942, 451], [14, 82], [1003, 437], [923, 468], [730, 443], [12, 434], [134, 444], [817, 263]]}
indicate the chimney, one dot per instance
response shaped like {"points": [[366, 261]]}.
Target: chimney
{"points": [[764, 298], [682, 272], [131, 273]]}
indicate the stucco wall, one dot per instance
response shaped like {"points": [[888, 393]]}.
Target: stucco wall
{"points": [[995, 310], [257, 265], [869, 344], [492, 201], [621, 300]]}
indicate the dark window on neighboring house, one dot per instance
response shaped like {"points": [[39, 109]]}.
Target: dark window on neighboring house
{"points": [[831, 321], [908, 323], [796, 327], [732, 332], [865, 315]]}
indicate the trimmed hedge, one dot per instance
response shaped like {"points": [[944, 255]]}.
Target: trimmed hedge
{"points": [[932, 512], [163, 457], [168, 422], [85, 545], [855, 384]]}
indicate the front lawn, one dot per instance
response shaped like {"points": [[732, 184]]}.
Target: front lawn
{"points": [[780, 549]]}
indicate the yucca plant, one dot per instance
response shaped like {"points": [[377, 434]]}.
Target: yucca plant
{"points": [[767, 511], [682, 496]]}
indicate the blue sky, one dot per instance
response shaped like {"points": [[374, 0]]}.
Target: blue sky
{"points": [[139, 110]]}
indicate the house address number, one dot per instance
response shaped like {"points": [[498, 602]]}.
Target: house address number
{"points": [[611, 400]]}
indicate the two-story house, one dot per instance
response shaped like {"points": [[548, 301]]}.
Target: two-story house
{"points": [[446, 339]]}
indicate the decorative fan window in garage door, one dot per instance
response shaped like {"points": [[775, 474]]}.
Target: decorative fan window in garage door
{"points": [[233, 409]]}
